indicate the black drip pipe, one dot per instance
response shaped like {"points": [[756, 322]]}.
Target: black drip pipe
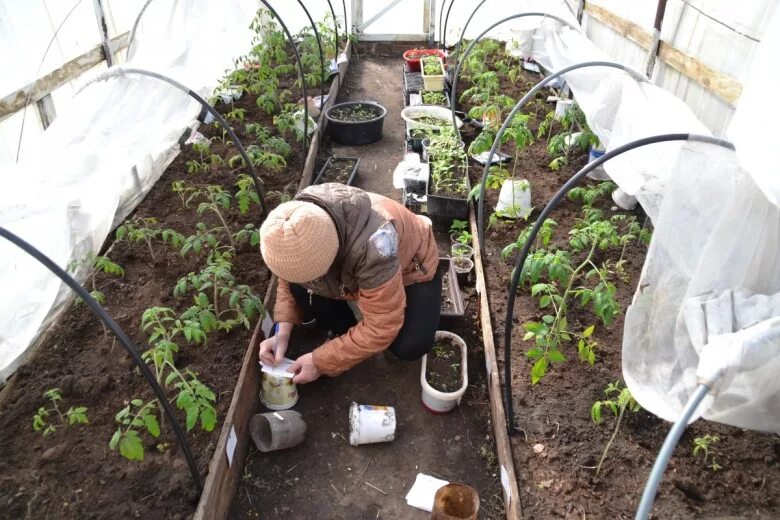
{"points": [[335, 29], [520, 104], [559, 195], [444, 30], [344, 6], [128, 345], [301, 72], [131, 70], [453, 94], [322, 53], [463, 32]]}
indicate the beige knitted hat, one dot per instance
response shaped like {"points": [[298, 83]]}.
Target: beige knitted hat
{"points": [[298, 241]]}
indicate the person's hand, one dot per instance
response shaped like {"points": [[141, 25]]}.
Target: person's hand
{"points": [[272, 349], [304, 368]]}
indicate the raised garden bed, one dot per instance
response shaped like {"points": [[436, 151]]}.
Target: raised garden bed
{"points": [[183, 229], [559, 445]]}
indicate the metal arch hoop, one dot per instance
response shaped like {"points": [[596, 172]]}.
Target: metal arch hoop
{"points": [[573, 181], [446, 21], [520, 104], [126, 342], [118, 71], [453, 94]]}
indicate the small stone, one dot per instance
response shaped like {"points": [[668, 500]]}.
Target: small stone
{"points": [[538, 448], [546, 484], [55, 452]]}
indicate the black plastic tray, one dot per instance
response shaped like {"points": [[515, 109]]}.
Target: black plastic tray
{"points": [[458, 306], [447, 207], [352, 176]]}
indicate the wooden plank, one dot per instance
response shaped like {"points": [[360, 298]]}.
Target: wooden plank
{"points": [[500, 431], [222, 479], [723, 85], [46, 110], [44, 85]]}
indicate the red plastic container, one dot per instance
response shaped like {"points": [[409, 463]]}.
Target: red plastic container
{"points": [[414, 62]]}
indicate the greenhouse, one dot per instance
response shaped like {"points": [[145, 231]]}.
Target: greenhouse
{"points": [[389, 259]]}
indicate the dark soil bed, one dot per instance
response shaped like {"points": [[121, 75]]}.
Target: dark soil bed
{"points": [[443, 368], [72, 473]]}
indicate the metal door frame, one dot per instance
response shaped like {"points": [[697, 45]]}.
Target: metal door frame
{"points": [[359, 25]]}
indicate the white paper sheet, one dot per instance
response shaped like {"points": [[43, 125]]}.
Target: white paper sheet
{"points": [[423, 491], [279, 370]]}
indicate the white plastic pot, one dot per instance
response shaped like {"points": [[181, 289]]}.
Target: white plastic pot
{"points": [[443, 402], [462, 264], [370, 423], [278, 392], [445, 114], [599, 174], [433, 82], [561, 106], [514, 199], [461, 250]]}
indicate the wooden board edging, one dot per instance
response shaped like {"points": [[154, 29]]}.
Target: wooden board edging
{"points": [[512, 504], [222, 479]]}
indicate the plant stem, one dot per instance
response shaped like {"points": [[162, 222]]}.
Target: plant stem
{"points": [[224, 224], [149, 244], [611, 439], [216, 303]]}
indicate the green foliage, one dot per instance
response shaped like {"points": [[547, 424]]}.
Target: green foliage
{"points": [[590, 194], [704, 446], [127, 436], [147, 230], [203, 237], [448, 163], [618, 400], [95, 264], [215, 199], [458, 225], [431, 66], [42, 419]]}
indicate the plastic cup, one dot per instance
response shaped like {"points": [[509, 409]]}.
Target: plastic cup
{"points": [[371, 423], [278, 392], [277, 430], [463, 250]]}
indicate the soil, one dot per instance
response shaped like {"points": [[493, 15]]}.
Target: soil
{"points": [[73, 473], [559, 446], [447, 305], [354, 113], [421, 54], [443, 370], [463, 264], [339, 170]]}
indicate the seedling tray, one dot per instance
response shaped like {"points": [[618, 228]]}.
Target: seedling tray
{"points": [[443, 207], [450, 277], [413, 81], [350, 181]]}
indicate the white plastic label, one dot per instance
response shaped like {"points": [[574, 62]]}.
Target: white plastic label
{"points": [[267, 325], [230, 449], [505, 484]]}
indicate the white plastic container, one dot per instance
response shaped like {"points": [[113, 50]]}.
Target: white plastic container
{"points": [[461, 250], [462, 264], [445, 114], [561, 106], [443, 402], [370, 423], [433, 82], [514, 199], [599, 174]]}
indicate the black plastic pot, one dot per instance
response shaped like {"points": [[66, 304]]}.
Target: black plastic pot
{"points": [[447, 270], [413, 143], [322, 176], [356, 132], [443, 207]]}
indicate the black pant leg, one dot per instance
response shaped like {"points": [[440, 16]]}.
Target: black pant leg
{"points": [[421, 321], [333, 315]]}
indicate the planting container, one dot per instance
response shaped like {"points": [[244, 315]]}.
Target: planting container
{"points": [[322, 176], [439, 113], [414, 143], [443, 402], [514, 199], [461, 250], [426, 142], [278, 392], [371, 423], [356, 132], [434, 82], [277, 430], [413, 56], [599, 173], [463, 266], [447, 270], [561, 106], [455, 501], [448, 207]]}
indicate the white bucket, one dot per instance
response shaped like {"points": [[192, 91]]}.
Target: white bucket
{"points": [[278, 392], [371, 423], [561, 106], [443, 402], [624, 200], [445, 114], [514, 199]]}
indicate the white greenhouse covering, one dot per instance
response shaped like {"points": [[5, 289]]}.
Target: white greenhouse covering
{"points": [[711, 283]]}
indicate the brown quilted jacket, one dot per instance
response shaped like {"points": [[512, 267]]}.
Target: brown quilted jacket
{"points": [[382, 248]]}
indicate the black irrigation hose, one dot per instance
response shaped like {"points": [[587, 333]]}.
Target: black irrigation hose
{"points": [[344, 6], [301, 72], [123, 339], [453, 94], [441, 18], [322, 53], [463, 32], [572, 182], [132, 70], [520, 104], [335, 29], [131, 39], [444, 29]]}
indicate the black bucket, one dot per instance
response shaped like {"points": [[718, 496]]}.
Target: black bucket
{"points": [[357, 132]]}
